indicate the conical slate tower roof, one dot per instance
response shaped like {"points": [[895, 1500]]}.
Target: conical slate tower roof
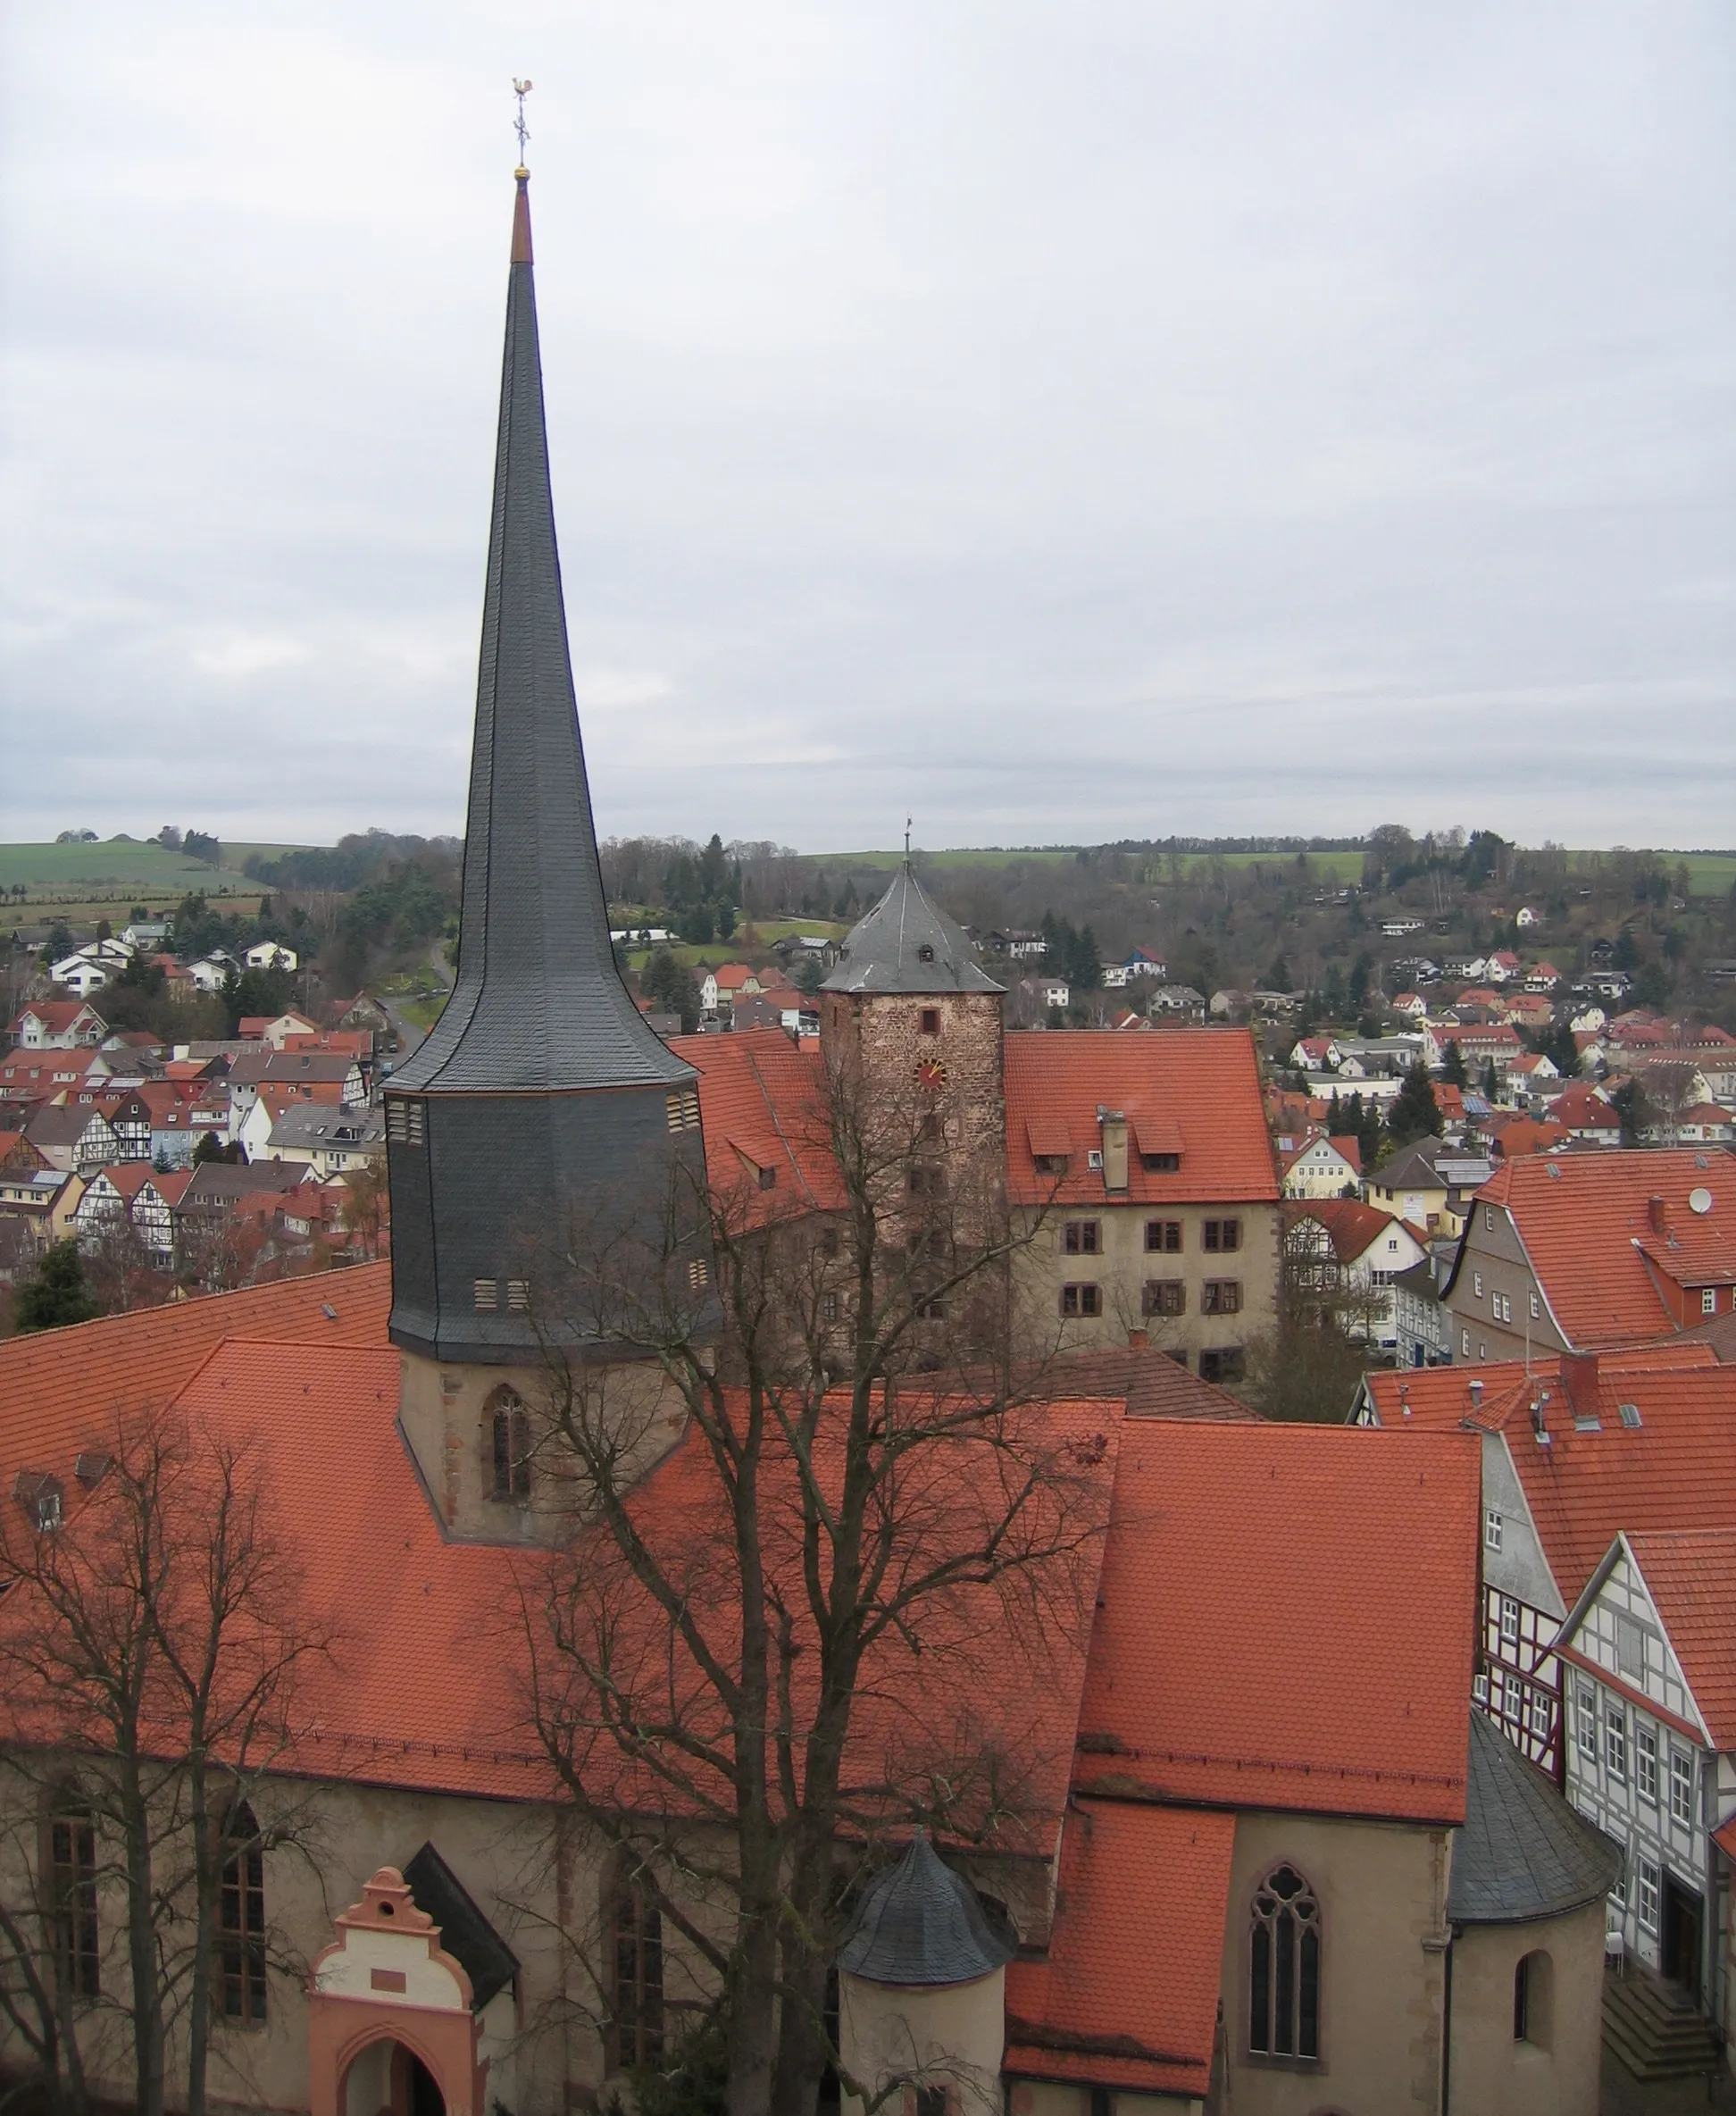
{"points": [[906, 944], [1523, 1852], [538, 1002], [920, 1923], [542, 1120]]}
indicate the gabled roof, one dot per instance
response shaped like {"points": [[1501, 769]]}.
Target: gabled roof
{"points": [[1126, 1994], [1204, 1081], [1352, 1227], [906, 944], [1523, 1852], [1335, 1707], [762, 1102], [1585, 1221], [1691, 1576], [1675, 1469]]}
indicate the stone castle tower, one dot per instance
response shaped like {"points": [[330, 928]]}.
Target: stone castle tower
{"points": [[909, 1012], [542, 1117]]}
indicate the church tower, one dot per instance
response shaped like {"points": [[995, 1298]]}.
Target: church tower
{"points": [[542, 1115]]}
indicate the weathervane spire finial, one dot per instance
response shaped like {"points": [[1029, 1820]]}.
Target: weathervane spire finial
{"points": [[521, 89]]}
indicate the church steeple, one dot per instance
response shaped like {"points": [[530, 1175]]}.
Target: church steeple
{"points": [[541, 1091], [538, 1002]]}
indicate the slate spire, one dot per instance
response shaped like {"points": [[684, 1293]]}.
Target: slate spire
{"points": [[542, 1100], [538, 1002]]}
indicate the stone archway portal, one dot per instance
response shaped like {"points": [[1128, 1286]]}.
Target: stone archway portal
{"points": [[391, 2027]]}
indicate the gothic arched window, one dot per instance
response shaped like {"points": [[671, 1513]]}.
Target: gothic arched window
{"points": [[71, 1860], [635, 1965], [241, 1918], [508, 1432], [1283, 2010]]}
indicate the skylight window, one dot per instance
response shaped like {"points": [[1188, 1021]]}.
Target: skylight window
{"points": [[1631, 1413]]}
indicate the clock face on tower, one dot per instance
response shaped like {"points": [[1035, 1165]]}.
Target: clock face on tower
{"points": [[930, 1073]]}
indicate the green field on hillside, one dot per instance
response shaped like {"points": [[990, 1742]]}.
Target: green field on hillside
{"points": [[86, 872]]}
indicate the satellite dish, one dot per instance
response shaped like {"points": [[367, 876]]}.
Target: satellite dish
{"points": [[1699, 1199]]}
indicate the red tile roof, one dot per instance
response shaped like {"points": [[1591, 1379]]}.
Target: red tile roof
{"points": [[761, 1105], [1676, 1469], [1205, 1082], [1585, 1221], [1286, 1620], [1352, 1227], [1691, 1579], [62, 1390], [1126, 1994]]}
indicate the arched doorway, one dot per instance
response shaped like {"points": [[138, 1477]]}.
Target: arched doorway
{"points": [[391, 2029]]}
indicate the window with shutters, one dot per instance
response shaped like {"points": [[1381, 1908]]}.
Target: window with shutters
{"points": [[1164, 1296], [1221, 1235], [241, 1920], [1284, 1947], [1081, 1299], [1162, 1237], [1082, 1237], [1221, 1296]]}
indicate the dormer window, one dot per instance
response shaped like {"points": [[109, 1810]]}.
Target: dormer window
{"points": [[41, 1497], [925, 954]]}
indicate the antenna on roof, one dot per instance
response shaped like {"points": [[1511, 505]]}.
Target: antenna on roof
{"points": [[521, 89]]}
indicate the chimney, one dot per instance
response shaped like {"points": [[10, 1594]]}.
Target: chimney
{"points": [[1579, 1378], [1114, 1149], [1137, 1340], [1655, 1214], [1476, 1395]]}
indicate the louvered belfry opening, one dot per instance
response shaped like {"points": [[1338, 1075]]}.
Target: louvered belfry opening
{"points": [[541, 1099]]}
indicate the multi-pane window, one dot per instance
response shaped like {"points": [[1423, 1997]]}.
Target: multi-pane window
{"points": [[1283, 2011], [1479, 1687], [1616, 1740], [636, 2028], [1081, 1299], [1709, 1300], [1225, 1364], [1165, 1296], [1585, 1722], [1682, 1786], [1163, 1236], [1540, 1715], [1644, 1760], [509, 1446], [1082, 1237], [1221, 1296], [1491, 1528], [1509, 1622], [1650, 1887], [1221, 1235], [72, 1900], [241, 1920]]}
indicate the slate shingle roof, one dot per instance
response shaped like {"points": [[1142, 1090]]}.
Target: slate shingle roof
{"points": [[922, 1923], [1523, 1852], [538, 1002], [906, 944]]}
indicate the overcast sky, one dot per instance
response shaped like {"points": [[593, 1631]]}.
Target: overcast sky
{"points": [[1060, 422]]}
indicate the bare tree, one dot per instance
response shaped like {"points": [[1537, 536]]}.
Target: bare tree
{"points": [[150, 1643], [1307, 1368], [871, 1517]]}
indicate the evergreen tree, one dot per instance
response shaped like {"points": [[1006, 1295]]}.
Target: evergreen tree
{"points": [[1414, 1114], [57, 1294], [1492, 1086], [1453, 1070]]}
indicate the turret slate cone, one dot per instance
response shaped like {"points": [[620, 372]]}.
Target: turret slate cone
{"points": [[542, 1102]]}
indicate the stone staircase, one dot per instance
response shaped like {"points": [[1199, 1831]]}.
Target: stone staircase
{"points": [[1655, 2029]]}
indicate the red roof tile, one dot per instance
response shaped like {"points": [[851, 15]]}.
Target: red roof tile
{"points": [[764, 1100], [1692, 1579], [1127, 1993], [1205, 1082], [1585, 1221], [1676, 1469], [1342, 1684], [62, 1390]]}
